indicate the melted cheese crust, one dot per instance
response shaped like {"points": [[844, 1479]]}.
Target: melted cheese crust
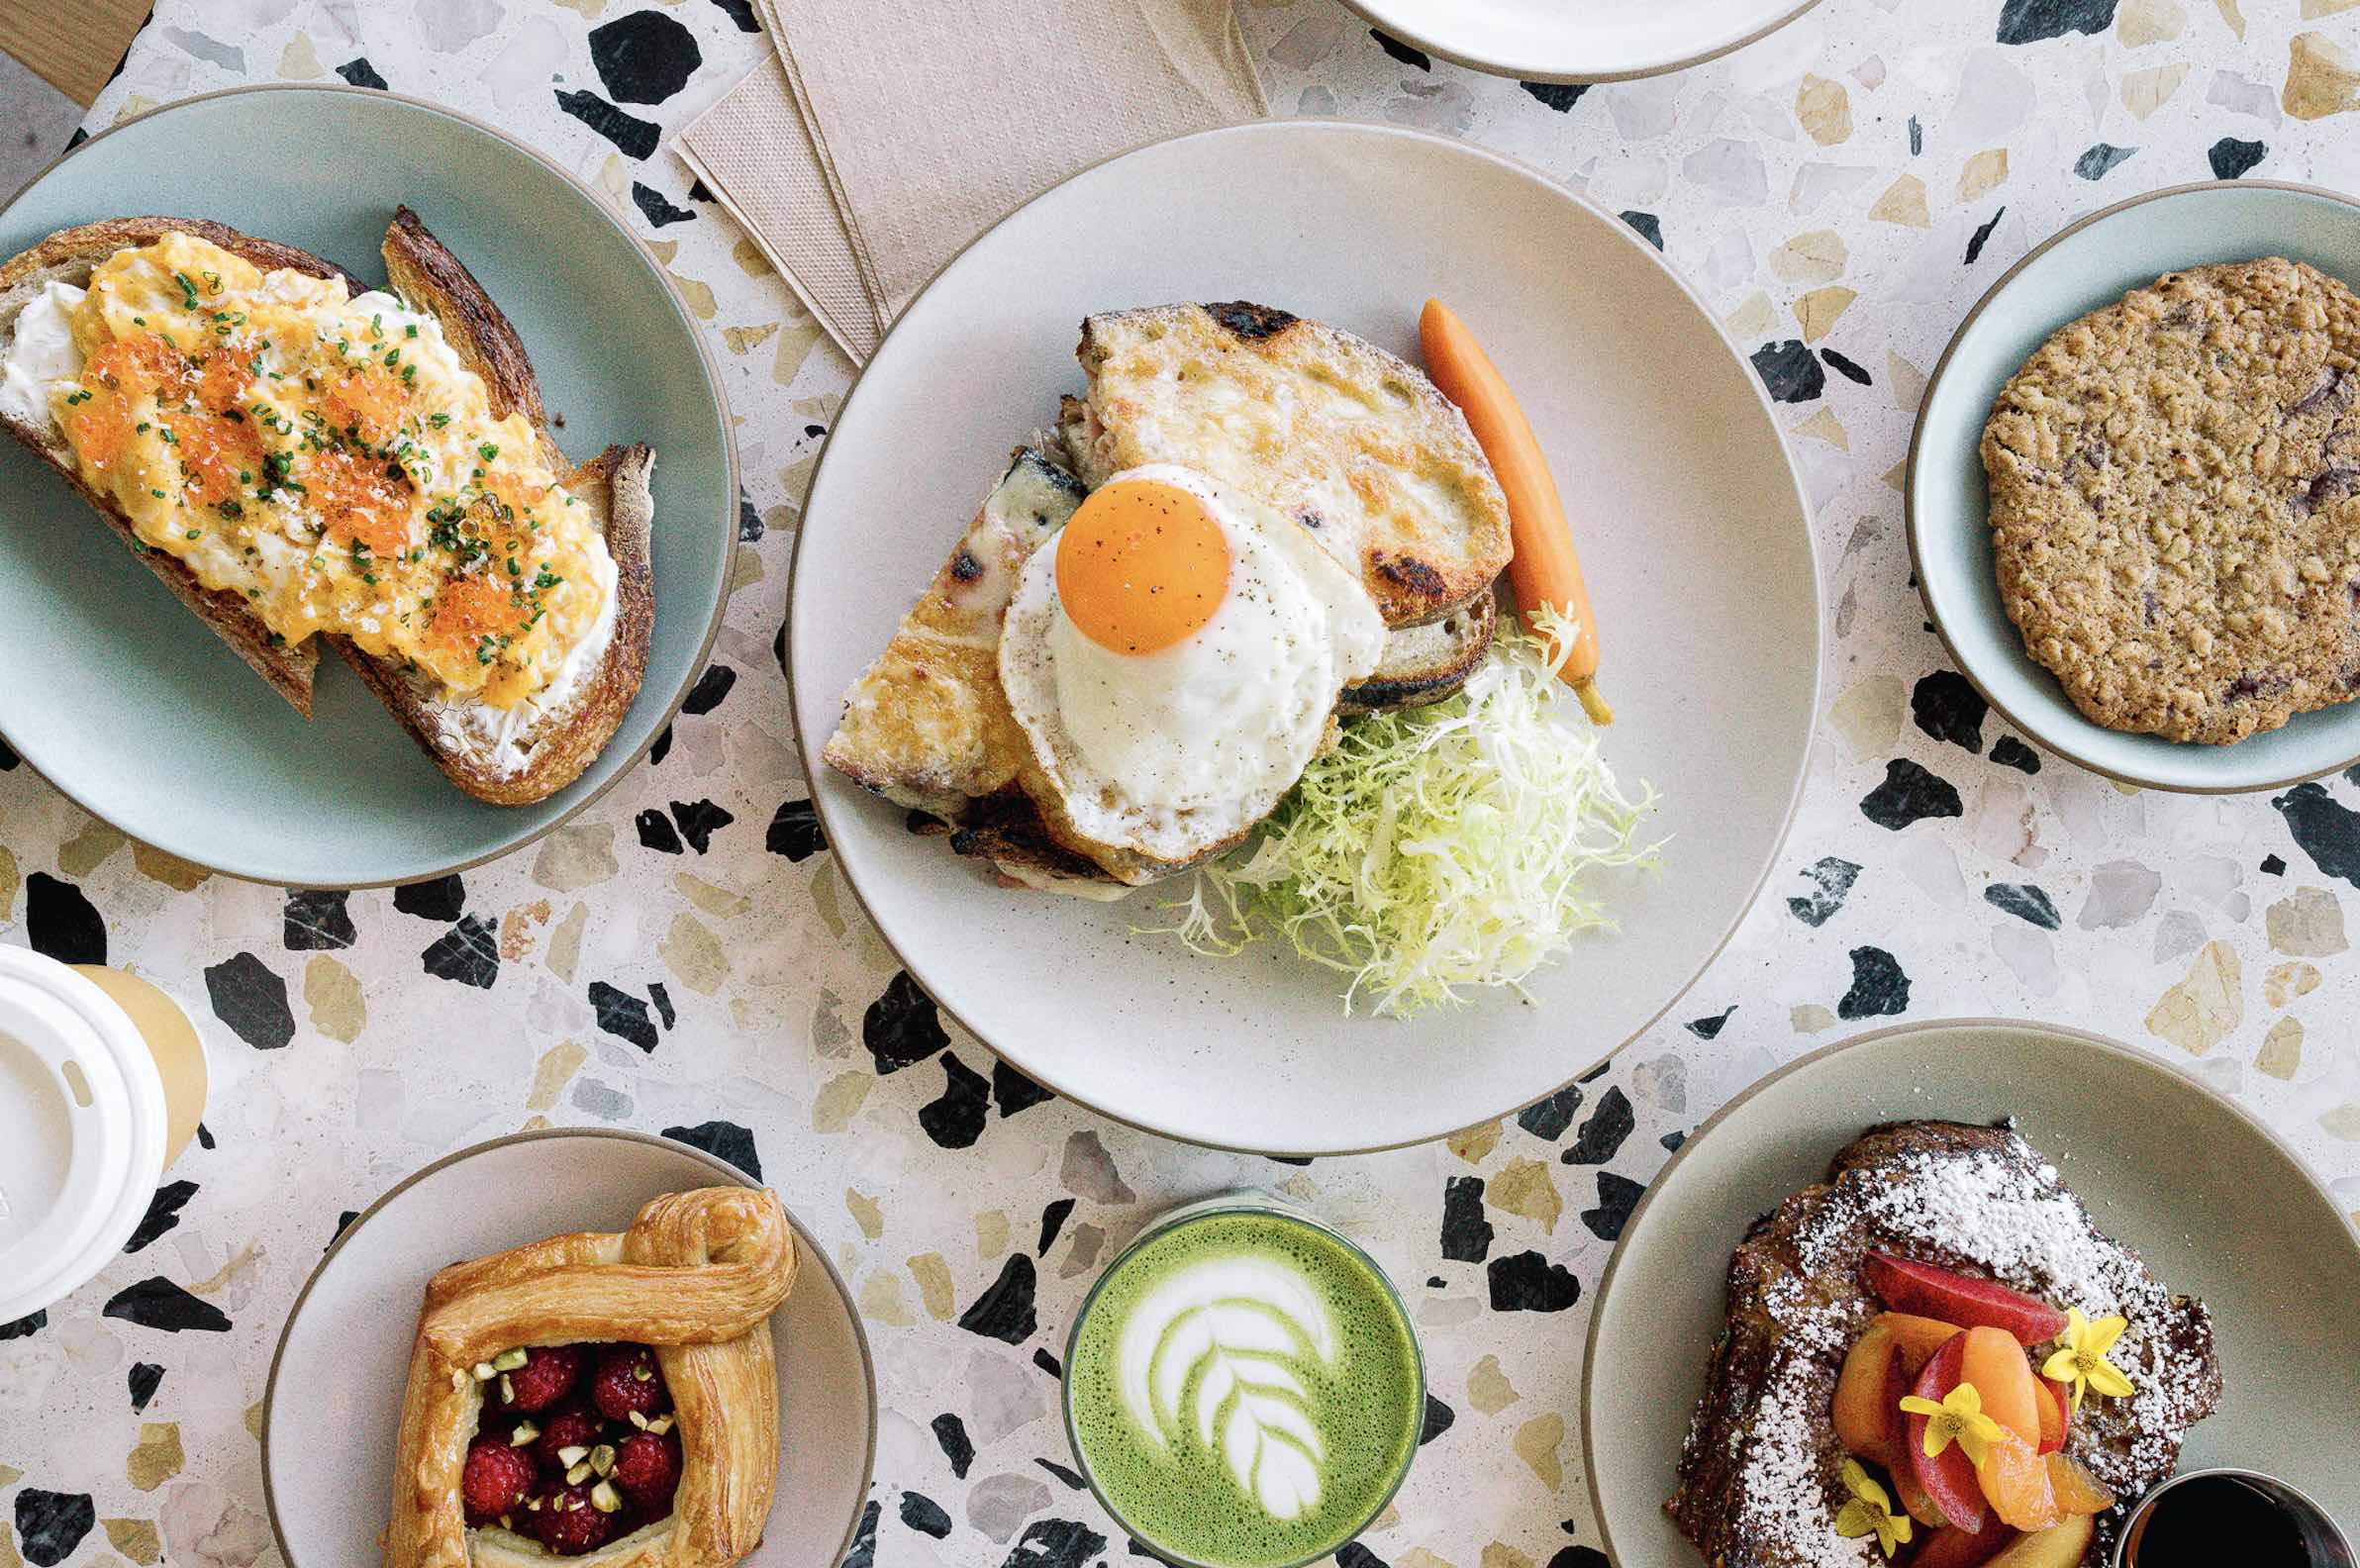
{"points": [[331, 459]]}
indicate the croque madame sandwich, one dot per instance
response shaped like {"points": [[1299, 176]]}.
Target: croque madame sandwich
{"points": [[1250, 524], [301, 457]]}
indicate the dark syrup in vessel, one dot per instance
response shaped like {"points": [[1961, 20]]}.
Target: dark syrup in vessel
{"points": [[2211, 1520]]}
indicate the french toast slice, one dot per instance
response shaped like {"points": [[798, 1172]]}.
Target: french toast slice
{"points": [[1760, 1476], [71, 255], [513, 756]]}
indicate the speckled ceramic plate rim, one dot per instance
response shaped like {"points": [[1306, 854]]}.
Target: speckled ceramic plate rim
{"points": [[1639, 1213], [813, 1252], [712, 380], [1558, 72], [812, 762], [1915, 516]]}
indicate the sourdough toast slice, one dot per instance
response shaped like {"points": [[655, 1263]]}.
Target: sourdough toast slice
{"points": [[71, 255], [1426, 664]]}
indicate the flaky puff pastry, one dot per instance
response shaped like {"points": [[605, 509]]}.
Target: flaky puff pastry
{"points": [[696, 1277]]}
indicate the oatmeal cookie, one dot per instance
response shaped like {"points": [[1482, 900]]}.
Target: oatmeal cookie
{"points": [[2175, 502]]}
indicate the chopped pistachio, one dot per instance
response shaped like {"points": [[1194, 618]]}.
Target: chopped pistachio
{"points": [[509, 1360], [602, 1458], [507, 1390], [577, 1475], [605, 1498], [484, 1372], [661, 1425], [573, 1453], [524, 1432], [639, 1421]]}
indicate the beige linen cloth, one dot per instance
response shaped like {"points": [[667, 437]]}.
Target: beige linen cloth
{"points": [[888, 134]]}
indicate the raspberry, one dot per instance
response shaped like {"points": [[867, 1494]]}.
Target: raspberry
{"points": [[495, 1479], [569, 1524], [628, 1378], [647, 1469], [574, 1426], [549, 1372]]}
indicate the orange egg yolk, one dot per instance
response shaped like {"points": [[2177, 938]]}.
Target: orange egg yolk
{"points": [[1141, 565]]}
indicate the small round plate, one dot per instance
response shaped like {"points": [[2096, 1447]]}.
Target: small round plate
{"points": [[1693, 534], [2213, 1203], [130, 705], [333, 1404], [2083, 268], [1579, 40]]}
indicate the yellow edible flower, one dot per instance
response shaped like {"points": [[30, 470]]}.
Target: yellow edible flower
{"points": [[1870, 1511], [2083, 1360], [1958, 1417]]}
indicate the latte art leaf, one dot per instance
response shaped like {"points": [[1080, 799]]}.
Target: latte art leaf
{"points": [[1224, 1354]]}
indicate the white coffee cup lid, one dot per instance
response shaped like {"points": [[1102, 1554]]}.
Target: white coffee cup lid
{"points": [[82, 1122]]}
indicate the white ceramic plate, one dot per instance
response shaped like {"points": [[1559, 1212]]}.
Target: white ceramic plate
{"points": [[328, 1445], [1579, 40], [1692, 530]]}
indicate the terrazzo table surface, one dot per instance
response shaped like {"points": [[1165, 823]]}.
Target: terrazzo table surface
{"points": [[686, 958]]}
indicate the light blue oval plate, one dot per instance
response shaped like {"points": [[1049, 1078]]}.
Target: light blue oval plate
{"points": [[2087, 266], [127, 703]]}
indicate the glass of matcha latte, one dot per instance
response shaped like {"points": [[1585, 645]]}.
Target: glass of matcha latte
{"points": [[1244, 1387]]}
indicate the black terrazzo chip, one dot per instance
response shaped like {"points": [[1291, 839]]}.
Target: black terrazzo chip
{"points": [[204, 1137], [1047, 1363], [163, 1213], [1548, 1118], [2230, 157], [2101, 159], [1789, 370], [1351, 1554], [1878, 988], [710, 689], [1647, 226], [360, 74], [1947, 707], [1832, 878], [634, 137], [157, 1303], [144, 1378], [8, 759], [956, 1120], [1711, 1027], [1581, 1557], [1072, 1481], [61, 923], [1466, 1233], [645, 57], [1012, 1091], [1616, 1196], [663, 1003], [26, 1326], [2008, 751], [1672, 1140], [723, 1140], [657, 832], [902, 1027], [1910, 794], [1055, 1543], [1004, 1311], [1560, 96], [317, 922], [1440, 1419], [1982, 237], [468, 953], [924, 1516], [653, 207], [740, 11], [1415, 57], [951, 1434], [443, 899], [251, 999], [343, 1221], [1052, 1221], [2024, 902], [1601, 1137], [2272, 865], [749, 521], [862, 1553], [622, 1015], [1528, 1282], [2323, 829], [1847, 368], [795, 832], [2030, 21], [661, 746], [50, 1525], [698, 821]]}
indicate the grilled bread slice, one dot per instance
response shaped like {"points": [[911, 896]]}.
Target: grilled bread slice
{"points": [[1426, 664], [507, 759], [1319, 424], [71, 255]]}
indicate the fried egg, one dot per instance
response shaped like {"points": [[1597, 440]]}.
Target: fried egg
{"points": [[1174, 659]]}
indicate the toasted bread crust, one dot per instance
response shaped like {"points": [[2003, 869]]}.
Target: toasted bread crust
{"points": [[1426, 664], [71, 255]]}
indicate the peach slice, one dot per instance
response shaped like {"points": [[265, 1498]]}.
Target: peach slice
{"points": [[1920, 1337], [1867, 1421], [2059, 1547], [2056, 1414], [1995, 1363], [1924, 1291], [1948, 1478], [2016, 1479], [1957, 1548], [2078, 1490]]}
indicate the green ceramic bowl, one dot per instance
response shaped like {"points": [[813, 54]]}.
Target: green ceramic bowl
{"points": [[123, 701], [2089, 266]]}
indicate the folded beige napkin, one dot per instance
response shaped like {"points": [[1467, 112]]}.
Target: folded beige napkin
{"points": [[890, 133]]}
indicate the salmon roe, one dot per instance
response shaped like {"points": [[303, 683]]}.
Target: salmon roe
{"points": [[362, 501]]}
